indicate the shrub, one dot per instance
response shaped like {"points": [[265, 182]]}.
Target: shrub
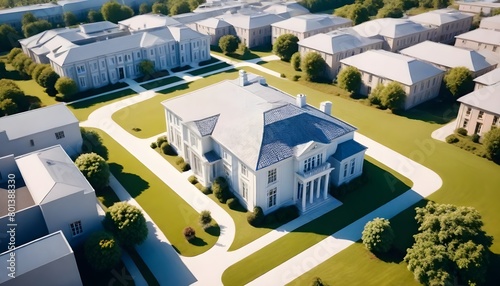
{"points": [[452, 139], [491, 142], [256, 218], [318, 282], [295, 61], [192, 179], [206, 190], [127, 223], [461, 131], [189, 233], [179, 160], [233, 203], [475, 138], [296, 77], [283, 75], [95, 169], [184, 166], [102, 251], [167, 149], [220, 189], [228, 44], [160, 140], [205, 218], [153, 145], [377, 236]]}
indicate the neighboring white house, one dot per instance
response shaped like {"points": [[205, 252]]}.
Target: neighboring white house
{"points": [[274, 150], [38, 261], [40, 128], [487, 79], [421, 81], [448, 23], [448, 57], [491, 23], [479, 39], [285, 9], [337, 45], [484, 8], [308, 25], [147, 22], [479, 110], [215, 28], [397, 34]]}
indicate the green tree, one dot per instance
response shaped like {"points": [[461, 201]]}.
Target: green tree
{"points": [[18, 63], [459, 81], [8, 107], [349, 79], [438, 4], [160, 8], [28, 18], [377, 236], [31, 67], [69, 19], [13, 94], [95, 16], [390, 11], [285, 46], [491, 143], [356, 12], [393, 96], [8, 37], [205, 218], [48, 79], [66, 87], [114, 12], [93, 143], [144, 8], [373, 6], [313, 65], [13, 53], [295, 61], [36, 27], [95, 169], [147, 68], [127, 223], [35, 74], [228, 44], [451, 247], [180, 7], [102, 251]]}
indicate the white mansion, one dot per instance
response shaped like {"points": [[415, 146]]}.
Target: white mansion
{"points": [[98, 54], [274, 149]]}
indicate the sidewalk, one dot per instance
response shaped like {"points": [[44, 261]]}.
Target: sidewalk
{"points": [[441, 133]]}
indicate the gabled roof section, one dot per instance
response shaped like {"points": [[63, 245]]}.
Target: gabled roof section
{"points": [[337, 41], [311, 22], [50, 175], [251, 21], [448, 56], [43, 37], [347, 149], [489, 78], [486, 98], [148, 21], [36, 121], [287, 9], [389, 27], [206, 126], [214, 23], [181, 33], [403, 69], [440, 17]]}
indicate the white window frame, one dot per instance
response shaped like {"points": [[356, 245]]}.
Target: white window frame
{"points": [[244, 170], [272, 197], [272, 176], [353, 165]]}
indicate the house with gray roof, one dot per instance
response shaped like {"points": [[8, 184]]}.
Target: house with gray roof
{"points": [[45, 11], [40, 128], [286, 9], [484, 8], [488, 79], [98, 54], [273, 149], [36, 263], [215, 28], [308, 25], [448, 23], [397, 34], [337, 45], [479, 39], [479, 110], [421, 81], [447, 57], [491, 23]]}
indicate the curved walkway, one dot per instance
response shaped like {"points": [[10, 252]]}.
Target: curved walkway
{"points": [[443, 132], [207, 268]]}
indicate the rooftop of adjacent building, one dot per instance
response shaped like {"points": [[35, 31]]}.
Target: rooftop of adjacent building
{"points": [[311, 22], [337, 41], [485, 36], [486, 98], [440, 16]]}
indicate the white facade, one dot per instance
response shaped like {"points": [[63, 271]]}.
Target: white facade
{"points": [[448, 23], [480, 39], [40, 128], [211, 137]]}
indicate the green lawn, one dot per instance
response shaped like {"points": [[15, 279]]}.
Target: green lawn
{"points": [[253, 54], [383, 185], [171, 213], [149, 115], [161, 82], [208, 69], [83, 109]]}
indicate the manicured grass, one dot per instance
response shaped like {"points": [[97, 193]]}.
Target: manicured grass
{"points": [[161, 82], [383, 185], [171, 159], [466, 143], [149, 115], [208, 69], [253, 54], [164, 206], [83, 109]]}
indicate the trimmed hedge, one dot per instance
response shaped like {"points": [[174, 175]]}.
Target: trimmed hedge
{"points": [[452, 139], [256, 218], [233, 203], [220, 188], [192, 179]]}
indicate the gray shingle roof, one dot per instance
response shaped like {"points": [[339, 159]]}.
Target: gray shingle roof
{"points": [[97, 27], [486, 98], [257, 123], [347, 149], [337, 41], [311, 22], [448, 56], [286, 9], [206, 126], [403, 69], [388, 27]]}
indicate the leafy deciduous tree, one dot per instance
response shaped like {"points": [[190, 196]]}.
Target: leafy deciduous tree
{"points": [[393, 96], [102, 251], [48, 79], [8, 37], [377, 235], [93, 143], [147, 67], [28, 18], [459, 81], [180, 7], [491, 143], [36, 27], [95, 16], [349, 79], [228, 44], [160, 8], [13, 53], [313, 65], [8, 107], [95, 169], [69, 19], [285, 46], [295, 61], [66, 86], [144, 8], [114, 12], [127, 223]]}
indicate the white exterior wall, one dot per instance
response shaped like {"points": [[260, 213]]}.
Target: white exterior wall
{"points": [[475, 45], [276, 31], [469, 117], [396, 44], [76, 207], [71, 143], [284, 184], [337, 176]]}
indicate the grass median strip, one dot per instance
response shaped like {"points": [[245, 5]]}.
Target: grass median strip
{"points": [[161, 82], [208, 69], [83, 109]]}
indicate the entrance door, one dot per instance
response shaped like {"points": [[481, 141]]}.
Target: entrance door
{"points": [[121, 73]]}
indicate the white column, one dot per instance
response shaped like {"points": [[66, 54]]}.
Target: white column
{"points": [[325, 191], [318, 186], [304, 186], [311, 192]]}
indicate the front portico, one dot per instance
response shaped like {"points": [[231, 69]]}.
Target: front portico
{"points": [[312, 186]]}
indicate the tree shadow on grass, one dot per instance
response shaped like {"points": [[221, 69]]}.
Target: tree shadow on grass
{"points": [[14, 75], [213, 230], [196, 241], [493, 275], [438, 111], [111, 96], [134, 184], [394, 255]]}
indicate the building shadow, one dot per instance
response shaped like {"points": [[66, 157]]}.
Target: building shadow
{"points": [[134, 184], [437, 111]]}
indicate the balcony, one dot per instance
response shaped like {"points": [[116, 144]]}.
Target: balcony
{"points": [[319, 169]]}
